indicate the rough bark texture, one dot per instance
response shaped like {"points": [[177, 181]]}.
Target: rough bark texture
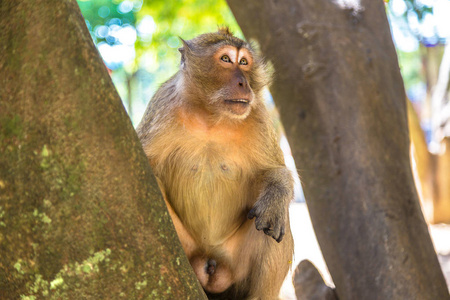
{"points": [[341, 99], [81, 216]]}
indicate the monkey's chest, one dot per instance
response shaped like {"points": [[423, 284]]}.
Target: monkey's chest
{"points": [[210, 193]]}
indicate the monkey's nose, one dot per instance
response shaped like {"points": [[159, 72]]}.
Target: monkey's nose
{"points": [[242, 83]]}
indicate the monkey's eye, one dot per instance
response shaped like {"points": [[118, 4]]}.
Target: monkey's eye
{"points": [[243, 61], [225, 58]]}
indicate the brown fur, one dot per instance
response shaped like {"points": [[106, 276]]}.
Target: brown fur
{"points": [[219, 166]]}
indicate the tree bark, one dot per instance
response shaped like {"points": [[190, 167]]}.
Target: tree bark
{"points": [[81, 216], [341, 100]]}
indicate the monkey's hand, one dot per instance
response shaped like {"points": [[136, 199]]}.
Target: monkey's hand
{"points": [[269, 218], [272, 207]]}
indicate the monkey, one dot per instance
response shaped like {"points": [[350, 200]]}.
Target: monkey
{"points": [[213, 149]]}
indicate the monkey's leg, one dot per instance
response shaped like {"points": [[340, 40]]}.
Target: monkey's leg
{"points": [[258, 262], [271, 267], [187, 242], [214, 278]]}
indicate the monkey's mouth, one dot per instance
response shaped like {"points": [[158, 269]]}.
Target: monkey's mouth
{"points": [[237, 101], [238, 107]]}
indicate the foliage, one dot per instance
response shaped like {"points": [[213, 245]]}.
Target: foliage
{"points": [[417, 24], [139, 39], [103, 16]]}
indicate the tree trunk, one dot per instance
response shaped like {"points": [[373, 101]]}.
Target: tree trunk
{"points": [[81, 216], [341, 100]]}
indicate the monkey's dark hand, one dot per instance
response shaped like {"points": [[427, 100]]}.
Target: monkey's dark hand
{"points": [[269, 218]]}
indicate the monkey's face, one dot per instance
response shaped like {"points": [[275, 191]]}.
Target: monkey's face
{"points": [[223, 74], [232, 94]]}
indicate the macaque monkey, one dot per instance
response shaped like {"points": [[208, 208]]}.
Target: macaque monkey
{"points": [[212, 147]]}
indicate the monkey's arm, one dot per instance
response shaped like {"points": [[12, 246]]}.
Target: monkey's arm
{"points": [[271, 207]]}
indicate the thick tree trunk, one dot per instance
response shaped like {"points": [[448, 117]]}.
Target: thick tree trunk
{"points": [[341, 100], [81, 216]]}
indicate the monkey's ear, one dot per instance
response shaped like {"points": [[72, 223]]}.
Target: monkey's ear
{"points": [[183, 50], [225, 30], [186, 45]]}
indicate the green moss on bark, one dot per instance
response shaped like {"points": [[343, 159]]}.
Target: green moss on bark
{"points": [[81, 216]]}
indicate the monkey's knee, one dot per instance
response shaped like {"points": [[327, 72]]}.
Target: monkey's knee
{"points": [[215, 277]]}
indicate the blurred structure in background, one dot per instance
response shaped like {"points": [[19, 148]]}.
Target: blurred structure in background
{"points": [[421, 31]]}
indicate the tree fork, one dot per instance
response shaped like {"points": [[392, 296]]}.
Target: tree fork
{"points": [[81, 216]]}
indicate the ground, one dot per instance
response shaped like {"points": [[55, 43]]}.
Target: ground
{"points": [[306, 247]]}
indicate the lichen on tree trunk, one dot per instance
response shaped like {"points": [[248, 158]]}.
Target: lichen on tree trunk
{"points": [[81, 216]]}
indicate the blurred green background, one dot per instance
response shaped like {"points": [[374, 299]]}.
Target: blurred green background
{"points": [[138, 41]]}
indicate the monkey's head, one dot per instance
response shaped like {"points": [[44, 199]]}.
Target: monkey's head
{"points": [[223, 72]]}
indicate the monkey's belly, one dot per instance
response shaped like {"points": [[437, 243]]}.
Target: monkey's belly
{"points": [[215, 193]]}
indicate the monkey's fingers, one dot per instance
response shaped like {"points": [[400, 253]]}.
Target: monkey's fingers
{"points": [[278, 231], [276, 234], [273, 229], [252, 213], [280, 238], [262, 224]]}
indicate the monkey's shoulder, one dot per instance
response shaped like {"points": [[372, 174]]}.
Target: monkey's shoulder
{"points": [[158, 116]]}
